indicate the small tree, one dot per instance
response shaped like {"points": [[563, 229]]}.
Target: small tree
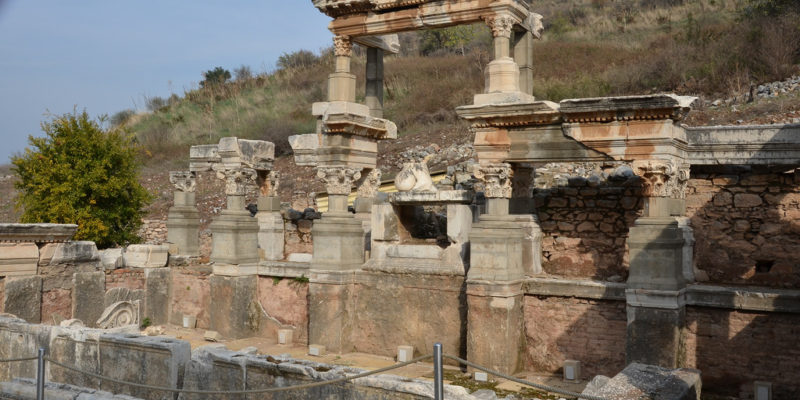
{"points": [[216, 76], [83, 174]]}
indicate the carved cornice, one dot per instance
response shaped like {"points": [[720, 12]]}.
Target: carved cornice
{"points": [[496, 179], [663, 178], [342, 46], [237, 180], [338, 180], [184, 181], [626, 108]]}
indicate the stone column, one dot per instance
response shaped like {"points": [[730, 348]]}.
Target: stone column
{"points": [[338, 251], [494, 282], [374, 89], [523, 56], [270, 221], [235, 232], [656, 285], [183, 218], [522, 209], [341, 83]]}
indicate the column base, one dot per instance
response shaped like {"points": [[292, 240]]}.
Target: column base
{"points": [[338, 242], [234, 238], [495, 335], [496, 249], [183, 225]]}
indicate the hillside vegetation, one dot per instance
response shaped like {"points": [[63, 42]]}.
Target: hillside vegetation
{"points": [[707, 48]]}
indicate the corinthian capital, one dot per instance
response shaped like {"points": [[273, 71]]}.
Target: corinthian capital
{"points": [[496, 180], [663, 178], [501, 25], [184, 181], [237, 180], [371, 184], [342, 46], [338, 180], [268, 183]]}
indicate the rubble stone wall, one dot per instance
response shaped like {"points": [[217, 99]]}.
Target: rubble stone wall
{"points": [[153, 231], [565, 328], [746, 225], [736, 348], [585, 228], [131, 278]]}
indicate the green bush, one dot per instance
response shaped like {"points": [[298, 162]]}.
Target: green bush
{"points": [[83, 174], [215, 77]]}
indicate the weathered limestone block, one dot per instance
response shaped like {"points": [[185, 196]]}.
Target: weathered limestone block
{"points": [[384, 223], [338, 243], [22, 297], [183, 223], [88, 295], [36, 233], [270, 235], [305, 148], [18, 259], [111, 258], [20, 339], [650, 382], [531, 244], [146, 255], [157, 295], [73, 252], [235, 312], [656, 254], [203, 157], [330, 315], [155, 361], [496, 331], [496, 250]]}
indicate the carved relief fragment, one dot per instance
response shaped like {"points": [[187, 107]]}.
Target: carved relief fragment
{"points": [[372, 182], [184, 181], [496, 179]]}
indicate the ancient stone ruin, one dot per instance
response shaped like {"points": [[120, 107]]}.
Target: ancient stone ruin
{"points": [[674, 247]]}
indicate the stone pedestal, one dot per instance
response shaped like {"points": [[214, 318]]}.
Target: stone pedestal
{"points": [[494, 291], [235, 312], [338, 242], [655, 294], [330, 319], [270, 229], [235, 235], [22, 296], [495, 337], [183, 224]]}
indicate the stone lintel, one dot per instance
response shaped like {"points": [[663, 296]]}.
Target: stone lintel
{"points": [[666, 299], [202, 157], [390, 43], [430, 198], [626, 108], [494, 289], [744, 298], [37, 233], [582, 289], [235, 269], [357, 20], [752, 145], [328, 277], [352, 118], [511, 114]]}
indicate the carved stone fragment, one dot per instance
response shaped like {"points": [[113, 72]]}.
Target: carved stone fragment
{"points": [[496, 180], [237, 180], [371, 184], [338, 180], [184, 181], [119, 314]]}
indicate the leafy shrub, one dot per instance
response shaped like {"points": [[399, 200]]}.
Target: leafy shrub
{"points": [[300, 58], [215, 77], [83, 174], [121, 117]]}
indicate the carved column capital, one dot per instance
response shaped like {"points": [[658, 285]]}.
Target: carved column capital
{"points": [[342, 46], [371, 184], [496, 179], [338, 180], [184, 181], [663, 178], [268, 183], [237, 180], [501, 25]]}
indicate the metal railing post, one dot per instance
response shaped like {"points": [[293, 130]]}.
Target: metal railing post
{"points": [[438, 383], [40, 376]]}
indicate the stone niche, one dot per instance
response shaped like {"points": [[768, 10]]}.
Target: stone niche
{"points": [[422, 232]]}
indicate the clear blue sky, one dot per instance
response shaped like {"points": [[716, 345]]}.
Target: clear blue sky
{"points": [[107, 55]]}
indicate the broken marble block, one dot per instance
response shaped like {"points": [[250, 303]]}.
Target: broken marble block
{"points": [[146, 255], [649, 382]]}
